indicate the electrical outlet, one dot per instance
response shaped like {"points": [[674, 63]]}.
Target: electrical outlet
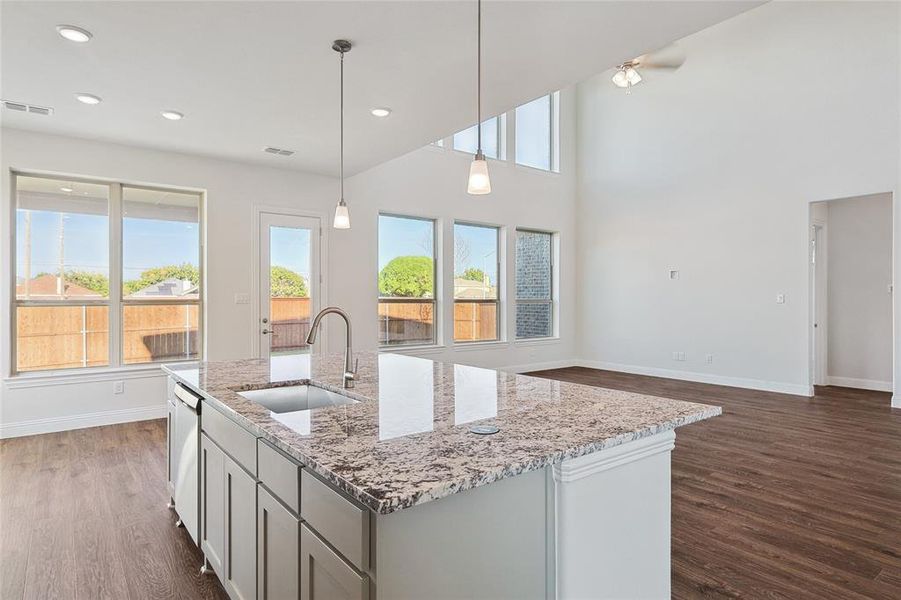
{"points": [[119, 387], [708, 359], [680, 356], [780, 298]]}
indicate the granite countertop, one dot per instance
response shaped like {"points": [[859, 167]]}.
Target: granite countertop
{"points": [[408, 440]]}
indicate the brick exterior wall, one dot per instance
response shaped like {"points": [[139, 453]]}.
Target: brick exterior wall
{"points": [[533, 282]]}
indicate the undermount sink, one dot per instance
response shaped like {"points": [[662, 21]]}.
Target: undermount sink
{"points": [[296, 397]]}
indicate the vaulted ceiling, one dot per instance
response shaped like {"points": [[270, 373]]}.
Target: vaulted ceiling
{"points": [[254, 74]]}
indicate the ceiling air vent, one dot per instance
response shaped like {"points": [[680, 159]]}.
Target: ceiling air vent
{"points": [[30, 108], [278, 151]]}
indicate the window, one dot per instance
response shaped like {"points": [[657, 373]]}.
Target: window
{"points": [[492, 136], [74, 306], [476, 277], [536, 135], [160, 275], [534, 284], [407, 279]]}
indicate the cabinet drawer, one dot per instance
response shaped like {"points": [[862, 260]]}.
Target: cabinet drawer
{"points": [[280, 474], [326, 576], [338, 520], [239, 443]]}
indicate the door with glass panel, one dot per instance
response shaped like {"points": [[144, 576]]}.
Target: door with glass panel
{"points": [[289, 282]]}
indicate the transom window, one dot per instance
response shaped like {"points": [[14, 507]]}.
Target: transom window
{"points": [[492, 138], [407, 281], [536, 133], [476, 281], [106, 274], [534, 284]]}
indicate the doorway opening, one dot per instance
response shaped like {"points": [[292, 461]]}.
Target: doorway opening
{"points": [[850, 278]]}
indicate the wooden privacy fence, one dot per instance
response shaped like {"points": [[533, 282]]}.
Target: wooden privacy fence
{"points": [[413, 321], [60, 337], [290, 320], [64, 337]]}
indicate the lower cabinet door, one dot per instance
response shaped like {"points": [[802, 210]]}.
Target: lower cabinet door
{"points": [[278, 547], [171, 458], [212, 504], [324, 575], [240, 533]]}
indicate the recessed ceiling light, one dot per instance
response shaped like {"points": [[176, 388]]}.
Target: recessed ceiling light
{"points": [[66, 189], [88, 98], [74, 34], [172, 115], [380, 112]]}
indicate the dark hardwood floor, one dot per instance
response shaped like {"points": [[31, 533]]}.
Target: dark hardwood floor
{"points": [[781, 497], [83, 516]]}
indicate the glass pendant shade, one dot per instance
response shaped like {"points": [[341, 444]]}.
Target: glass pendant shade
{"points": [[479, 182], [342, 216]]}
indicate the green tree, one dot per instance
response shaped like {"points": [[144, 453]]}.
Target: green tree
{"points": [[183, 272], [285, 283], [97, 282], [407, 277], [473, 274]]}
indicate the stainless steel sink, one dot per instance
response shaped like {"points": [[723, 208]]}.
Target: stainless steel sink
{"points": [[296, 397]]}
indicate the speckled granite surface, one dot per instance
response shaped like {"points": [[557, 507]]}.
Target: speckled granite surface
{"points": [[408, 441]]}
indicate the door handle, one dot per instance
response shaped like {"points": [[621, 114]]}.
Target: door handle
{"points": [[266, 331]]}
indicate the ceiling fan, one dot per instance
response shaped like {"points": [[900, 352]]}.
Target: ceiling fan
{"points": [[627, 75]]}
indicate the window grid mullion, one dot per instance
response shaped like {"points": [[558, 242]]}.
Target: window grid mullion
{"points": [[115, 275]]}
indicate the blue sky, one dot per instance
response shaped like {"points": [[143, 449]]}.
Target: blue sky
{"points": [[146, 243], [290, 248], [412, 237]]}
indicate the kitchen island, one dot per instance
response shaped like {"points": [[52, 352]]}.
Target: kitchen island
{"points": [[393, 495]]}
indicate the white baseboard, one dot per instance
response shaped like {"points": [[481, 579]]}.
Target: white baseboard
{"points": [[896, 400], [541, 366], [107, 417], [861, 384], [796, 389]]}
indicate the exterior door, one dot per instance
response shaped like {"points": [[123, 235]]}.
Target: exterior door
{"points": [[289, 282]]}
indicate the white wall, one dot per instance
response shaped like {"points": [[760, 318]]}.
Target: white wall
{"points": [[709, 170], [429, 182], [859, 273]]}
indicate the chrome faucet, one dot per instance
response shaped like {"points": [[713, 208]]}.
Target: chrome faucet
{"points": [[350, 368]]}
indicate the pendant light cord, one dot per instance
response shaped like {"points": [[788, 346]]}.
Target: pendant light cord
{"points": [[479, 80], [341, 151]]}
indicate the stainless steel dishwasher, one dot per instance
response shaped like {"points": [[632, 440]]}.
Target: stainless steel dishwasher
{"points": [[186, 447]]}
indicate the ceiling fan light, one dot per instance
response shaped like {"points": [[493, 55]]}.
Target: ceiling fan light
{"points": [[479, 181], [632, 75], [342, 216]]}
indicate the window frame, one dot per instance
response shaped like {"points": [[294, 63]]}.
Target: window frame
{"points": [[501, 138], [553, 301], [498, 311], [554, 133], [115, 301], [435, 300]]}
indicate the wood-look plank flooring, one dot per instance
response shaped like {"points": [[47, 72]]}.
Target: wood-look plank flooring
{"points": [[781, 496], [83, 516]]}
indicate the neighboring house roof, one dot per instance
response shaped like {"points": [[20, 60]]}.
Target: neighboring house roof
{"points": [[167, 288], [47, 286], [469, 289]]}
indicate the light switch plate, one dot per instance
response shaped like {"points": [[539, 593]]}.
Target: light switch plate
{"points": [[780, 298], [242, 298]]}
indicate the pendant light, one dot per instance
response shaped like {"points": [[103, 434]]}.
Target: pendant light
{"points": [[342, 216], [479, 182]]}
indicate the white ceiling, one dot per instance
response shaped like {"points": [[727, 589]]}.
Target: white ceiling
{"points": [[254, 74]]}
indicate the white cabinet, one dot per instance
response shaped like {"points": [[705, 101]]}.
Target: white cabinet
{"points": [[278, 547], [228, 521], [212, 504], [240, 573], [171, 458], [325, 575]]}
